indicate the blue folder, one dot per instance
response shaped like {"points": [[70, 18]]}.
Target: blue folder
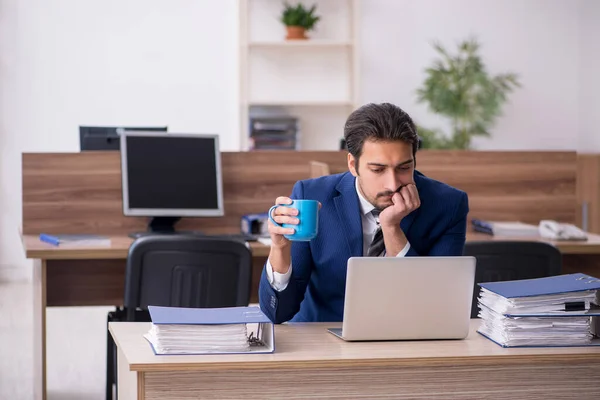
{"points": [[543, 286], [482, 226], [206, 316], [594, 343]]}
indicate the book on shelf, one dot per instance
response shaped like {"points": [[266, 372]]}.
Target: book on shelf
{"points": [[227, 330], [561, 310], [75, 240]]}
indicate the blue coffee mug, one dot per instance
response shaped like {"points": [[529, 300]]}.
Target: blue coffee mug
{"points": [[308, 217]]}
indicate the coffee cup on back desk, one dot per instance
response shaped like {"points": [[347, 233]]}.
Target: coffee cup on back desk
{"points": [[308, 217]]}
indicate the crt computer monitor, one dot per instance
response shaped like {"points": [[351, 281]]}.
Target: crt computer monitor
{"points": [[94, 138], [167, 176]]}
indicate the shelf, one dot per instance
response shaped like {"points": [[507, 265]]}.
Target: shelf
{"points": [[316, 43], [315, 80], [301, 103]]}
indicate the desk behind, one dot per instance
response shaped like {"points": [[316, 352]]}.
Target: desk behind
{"points": [[95, 275]]}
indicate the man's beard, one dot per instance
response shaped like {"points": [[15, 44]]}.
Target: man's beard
{"points": [[387, 194]]}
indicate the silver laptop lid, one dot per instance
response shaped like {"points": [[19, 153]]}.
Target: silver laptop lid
{"points": [[396, 298]]}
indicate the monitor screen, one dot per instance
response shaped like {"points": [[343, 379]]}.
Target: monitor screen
{"points": [[107, 137], [174, 175]]}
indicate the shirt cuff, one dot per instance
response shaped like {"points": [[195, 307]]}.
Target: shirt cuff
{"points": [[404, 250], [278, 281]]}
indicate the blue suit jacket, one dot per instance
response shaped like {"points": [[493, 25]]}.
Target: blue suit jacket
{"points": [[318, 281]]}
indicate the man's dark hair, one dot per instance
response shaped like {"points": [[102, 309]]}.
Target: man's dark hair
{"points": [[379, 122]]}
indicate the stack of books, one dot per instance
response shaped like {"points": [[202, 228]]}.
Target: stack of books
{"points": [[177, 330], [274, 133], [554, 311]]}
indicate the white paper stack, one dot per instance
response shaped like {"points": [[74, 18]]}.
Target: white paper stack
{"points": [[194, 339], [552, 311], [535, 331], [549, 303]]}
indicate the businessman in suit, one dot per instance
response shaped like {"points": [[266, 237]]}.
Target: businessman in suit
{"points": [[381, 207]]}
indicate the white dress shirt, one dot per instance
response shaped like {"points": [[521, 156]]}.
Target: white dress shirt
{"points": [[369, 226]]}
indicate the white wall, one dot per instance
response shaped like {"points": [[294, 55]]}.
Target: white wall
{"points": [[589, 77], [538, 39], [10, 167], [67, 63]]}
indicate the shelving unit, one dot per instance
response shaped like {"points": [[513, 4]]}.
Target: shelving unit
{"points": [[308, 103], [314, 80], [300, 43]]}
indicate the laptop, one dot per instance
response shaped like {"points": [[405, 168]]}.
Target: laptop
{"points": [[407, 298]]}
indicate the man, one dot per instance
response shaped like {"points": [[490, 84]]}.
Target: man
{"points": [[381, 207]]}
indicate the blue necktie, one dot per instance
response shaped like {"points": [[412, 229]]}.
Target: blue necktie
{"points": [[377, 246]]}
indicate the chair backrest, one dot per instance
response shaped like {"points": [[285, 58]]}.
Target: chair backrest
{"points": [[511, 260], [187, 271]]}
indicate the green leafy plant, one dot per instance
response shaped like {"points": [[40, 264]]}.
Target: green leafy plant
{"points": [[299, 15], [459, 87]]}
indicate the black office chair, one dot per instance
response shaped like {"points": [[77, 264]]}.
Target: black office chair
{"points": [[180, 271], [511, 260]]}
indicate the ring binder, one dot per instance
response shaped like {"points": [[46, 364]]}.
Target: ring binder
{"points": [[177, 330], [560, 310]]}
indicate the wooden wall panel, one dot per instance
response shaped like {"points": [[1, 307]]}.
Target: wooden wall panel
{"points": [[85, 282], [588, 190], [81, 192], [525, 186]]}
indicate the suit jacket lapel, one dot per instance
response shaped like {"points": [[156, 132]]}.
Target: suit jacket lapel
{"points": [[348, 210]]}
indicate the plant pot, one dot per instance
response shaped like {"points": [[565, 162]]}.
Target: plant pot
{"points": [[296, 32]]}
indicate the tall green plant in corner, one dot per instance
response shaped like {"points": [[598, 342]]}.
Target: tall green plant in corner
{"points": [[459, 87]]}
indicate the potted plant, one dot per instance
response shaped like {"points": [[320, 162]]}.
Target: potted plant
{"points": [[298, 20], [459, 87]]}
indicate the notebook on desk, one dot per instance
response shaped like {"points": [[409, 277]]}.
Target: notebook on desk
{"points": [[409, 298]]}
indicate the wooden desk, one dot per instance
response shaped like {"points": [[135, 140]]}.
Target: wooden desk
{"points": [[80, 276], [590, 247], [35, 248], [86, 276], [309, 362]]}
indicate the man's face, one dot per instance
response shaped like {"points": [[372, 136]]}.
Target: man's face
{"points": [[383, 168]]}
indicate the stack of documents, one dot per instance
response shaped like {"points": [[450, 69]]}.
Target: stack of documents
{"points": [[554, 311], [509, 229], [178, 330]]}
